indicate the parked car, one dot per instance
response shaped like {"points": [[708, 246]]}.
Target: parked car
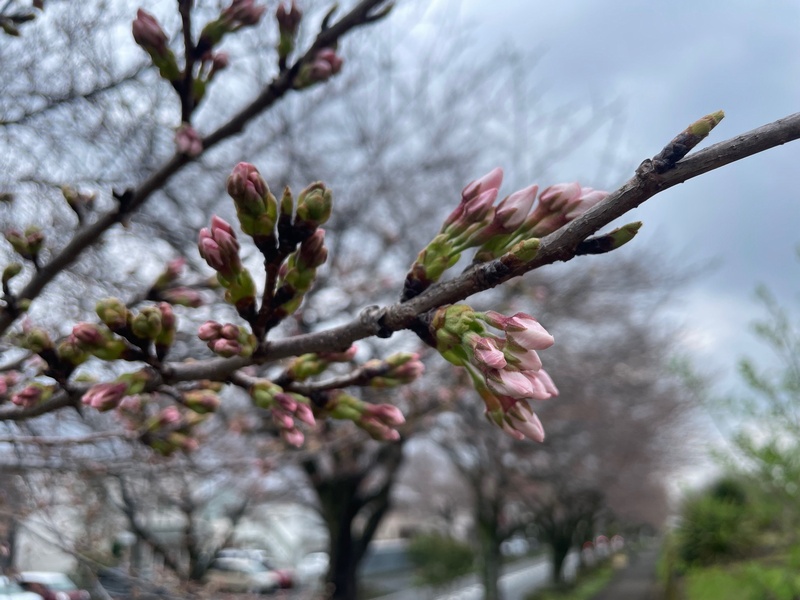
{"points": [[286, 576], [232, 574], [51, 585], [11, 590], [311, 569]]}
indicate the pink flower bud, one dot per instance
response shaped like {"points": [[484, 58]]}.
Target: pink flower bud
{"points": [[220, 61], [588, 198], [226, 348], [509, 383], [513, 210], [210, 330], [492, 180], [387, 414], [105, 396], [183, 296], [169, 416], [486, 353], [148, 32], [303, 413], [27, 397], [557, 196], [88, 334], [525, 331], [188, 141], [293, 437], [229, 331]]}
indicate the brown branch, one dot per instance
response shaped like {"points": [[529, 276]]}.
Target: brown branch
{"points": [[132, 200], [559, 246]]}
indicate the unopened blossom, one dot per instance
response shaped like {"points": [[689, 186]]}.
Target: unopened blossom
{"points": [[147, 32], [105, 396], [183, 296], [219, 247], [293, 436], [29, 396], [169, 416], [242, 13], [188, 141]]}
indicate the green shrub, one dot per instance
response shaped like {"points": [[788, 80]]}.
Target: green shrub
{"points": [[439, 559], [717, 525]]}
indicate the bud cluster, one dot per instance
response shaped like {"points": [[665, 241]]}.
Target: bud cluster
{"points": [[108, 396], [26, 243], [291, 240], [170, 430], [220, 249], [378, 420], [240, 13], [165, 288], [8, 380], [33, 394], [326, 64], [148, 33], [227, 340], [398, 369], [288, 25], [310, 365], [510, 226], [286, 409], [506, 370]]}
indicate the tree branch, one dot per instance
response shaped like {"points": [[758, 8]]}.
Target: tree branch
{"points": [[132, 200]]}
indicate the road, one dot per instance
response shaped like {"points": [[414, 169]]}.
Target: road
{"points": [[520, 579]]}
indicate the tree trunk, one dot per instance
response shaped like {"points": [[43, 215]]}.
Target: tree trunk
{"points": [[490, 558], [560, 547]]}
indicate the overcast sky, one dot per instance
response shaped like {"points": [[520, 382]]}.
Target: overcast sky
{"points": [[668, 64]]}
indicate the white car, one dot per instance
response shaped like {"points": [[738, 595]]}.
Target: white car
{"points": [[10, 590], [240, 575]]}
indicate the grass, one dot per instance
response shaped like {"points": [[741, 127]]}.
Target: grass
{"points": [[587, 585]]}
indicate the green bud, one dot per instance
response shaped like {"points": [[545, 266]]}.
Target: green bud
{"points": [[526, 250], [314, 204], [263, 393], [10, 271], [36, 340], [147, 324], [609, 241], [113, 313], [702, 127], [201, 401], [70, 352]]}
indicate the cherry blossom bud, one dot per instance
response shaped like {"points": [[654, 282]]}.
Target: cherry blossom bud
{"points": [[88, 334], [183, 296], [558, 196], [210, 330], [169, 416], [293, 436], [314, 205], [288, 20], [220, 61], [492, 180], [147, 324], [105, 396], [188, 141], [113, 313], [509, 383], [29, 396], [242, 13], [385, 413], [148, 32], [201, 401], [486, 352], [513, 210]]}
